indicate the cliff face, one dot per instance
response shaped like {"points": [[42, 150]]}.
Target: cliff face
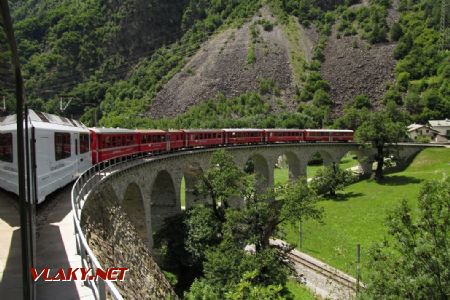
{"points": [[114, 240]]}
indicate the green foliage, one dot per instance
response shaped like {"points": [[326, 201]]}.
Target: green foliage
{"points": [[203, 231], [223, 181], [396, 32], [219, 228], [269, 86], [247, 110], [420, 71], [266, 24], [245, 289], [202, 290], [415, 261], [298, 202], [380, 129], [330, 179], [362, 101]]}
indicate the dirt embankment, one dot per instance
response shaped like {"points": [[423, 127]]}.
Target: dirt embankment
{"points": [[221, 67]]}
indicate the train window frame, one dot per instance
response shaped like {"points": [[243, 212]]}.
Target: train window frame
{"points": [[6, 148], [84, 143], [62, 141]]}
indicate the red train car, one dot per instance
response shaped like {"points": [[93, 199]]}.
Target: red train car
{"points": [[176, 140], [329, 135], [243, 136], [152, 141], [108, 143], [284, 135], [204, 137]]}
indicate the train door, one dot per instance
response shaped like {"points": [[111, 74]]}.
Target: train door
{"points": [[82, 152]]}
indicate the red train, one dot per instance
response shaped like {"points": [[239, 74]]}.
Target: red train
{"points": [[109, 143]]}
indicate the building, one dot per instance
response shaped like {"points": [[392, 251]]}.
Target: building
{"points": [[422, 133], [443, 129]]}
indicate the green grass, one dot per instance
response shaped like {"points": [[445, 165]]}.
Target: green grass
{"points": [[299, 291], [360, 213], [281, 174], [182, 193]]}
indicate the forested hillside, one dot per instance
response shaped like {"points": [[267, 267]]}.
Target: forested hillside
{"points": [[234, 63]]}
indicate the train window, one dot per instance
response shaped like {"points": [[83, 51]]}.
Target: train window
{"points": [[84, 143], [62, 145], [6, 152]]}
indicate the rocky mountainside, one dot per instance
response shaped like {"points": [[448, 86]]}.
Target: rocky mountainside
{"points": [[223, 66], [353, 67]]}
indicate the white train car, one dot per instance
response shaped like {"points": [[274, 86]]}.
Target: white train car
{"points": [[59, 146]]}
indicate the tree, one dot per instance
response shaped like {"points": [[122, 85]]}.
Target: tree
{"points": [[383, 133], [223, 181], [414, 263], [220, 236], [330, 179]]}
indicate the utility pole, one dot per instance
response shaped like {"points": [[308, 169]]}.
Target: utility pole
{"points": [[300, 234], [358, 268], [62, 106]]}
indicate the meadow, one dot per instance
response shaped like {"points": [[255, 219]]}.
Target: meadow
{"points": [[358, 214]]}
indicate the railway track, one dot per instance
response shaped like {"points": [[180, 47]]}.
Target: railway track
{"points": [[340, 279], [322, 279]]}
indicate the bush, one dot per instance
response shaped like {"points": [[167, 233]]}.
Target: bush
{"points": [[396, 32]]}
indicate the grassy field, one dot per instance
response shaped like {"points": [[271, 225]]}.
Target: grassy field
{"points": [[359, 214], [281, 174]]}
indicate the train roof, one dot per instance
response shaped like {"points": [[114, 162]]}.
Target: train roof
{"points": [[284, 129], [242, 130], [151, 131], [44, 121], [111, 130], [329, 130], [202, 130]]}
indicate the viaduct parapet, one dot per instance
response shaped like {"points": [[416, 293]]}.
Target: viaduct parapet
{"points": [[148, 190]]}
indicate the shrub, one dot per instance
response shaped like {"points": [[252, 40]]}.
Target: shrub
{"points": [[396, 32]]}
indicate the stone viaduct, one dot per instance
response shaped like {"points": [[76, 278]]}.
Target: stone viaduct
{"points": [[149, 189]]}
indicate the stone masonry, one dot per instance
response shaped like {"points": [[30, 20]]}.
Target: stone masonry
{"points": [[149, 191]]}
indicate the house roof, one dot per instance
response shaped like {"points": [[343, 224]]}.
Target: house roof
{"points": [[439, 123], [414, 126]]}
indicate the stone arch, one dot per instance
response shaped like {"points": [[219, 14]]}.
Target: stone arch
{"points": [[327, 157], [192, 173], [293, 164], [361, 159], [365, 161], [260, 167], [133, 206], [163, 199]]}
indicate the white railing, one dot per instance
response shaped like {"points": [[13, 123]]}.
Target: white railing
{"points": [[80, 191]]}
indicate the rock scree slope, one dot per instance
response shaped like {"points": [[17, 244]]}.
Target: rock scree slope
{"points": [[221, 67]]}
